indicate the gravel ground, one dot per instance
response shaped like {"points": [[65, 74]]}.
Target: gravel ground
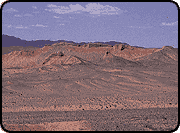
{"points": [[152, 119]]}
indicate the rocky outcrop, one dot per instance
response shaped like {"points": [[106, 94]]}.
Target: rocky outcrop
{"points": [[52, 55], [119, 47], [71, 60], [108, 56], [110, 59], [60, 44], [167, 47], [89, 45]]}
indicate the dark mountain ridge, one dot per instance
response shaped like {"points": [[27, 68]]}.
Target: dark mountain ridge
{"points": [[11, 43], [7, 41]]}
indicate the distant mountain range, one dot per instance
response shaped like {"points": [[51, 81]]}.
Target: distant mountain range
{"points": [[8, 41]]}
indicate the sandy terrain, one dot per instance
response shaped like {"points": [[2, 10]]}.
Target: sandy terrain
{"points": [[90, 80]]}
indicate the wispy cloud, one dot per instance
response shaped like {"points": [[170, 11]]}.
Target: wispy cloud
{"points": [[34, 7], [91, 8], [56, 17], [17, 15], [94, 8], [28, 15], [169, 24], [51, 5], [39, 25], [139, 27], [9, 26], [17, 26], [21, 27], [11, 10]]}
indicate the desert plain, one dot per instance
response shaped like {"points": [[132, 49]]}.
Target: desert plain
{"points": [[91, 87]]}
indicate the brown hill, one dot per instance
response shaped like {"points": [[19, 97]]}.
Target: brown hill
{"points": [[164, 58], [67, 54], [166, 55], [110, 59]]}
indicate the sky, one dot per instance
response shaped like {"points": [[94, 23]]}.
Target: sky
{"points": [[143, 24]]}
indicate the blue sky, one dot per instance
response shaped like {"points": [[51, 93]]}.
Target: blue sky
{"points": [[143, 24]]}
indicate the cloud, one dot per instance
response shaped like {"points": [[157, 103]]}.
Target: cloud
{"points": [[39, 25], [17, 15], [34, 7], [11, 10], [76, 8], [28, 15], [20, 27], [56, 17], [9, 26], [51, 5], [140, 27], [94, 8], [91, 8], [170, 24], [17, 26]]}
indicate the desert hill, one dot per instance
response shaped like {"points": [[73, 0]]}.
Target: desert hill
{"points": [[167, 57], [166, 54], [67, 54]]}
